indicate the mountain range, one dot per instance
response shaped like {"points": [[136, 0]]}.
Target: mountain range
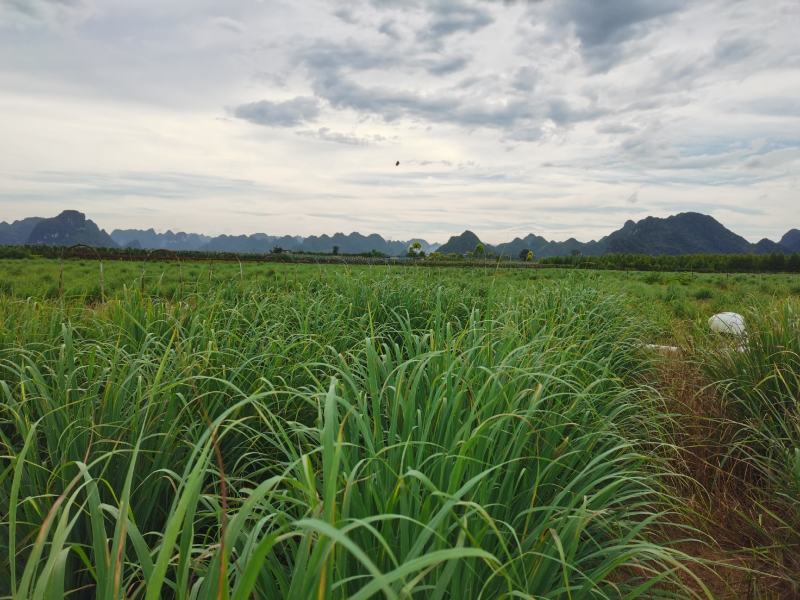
{"points": [[684, 233], [72, 227]]}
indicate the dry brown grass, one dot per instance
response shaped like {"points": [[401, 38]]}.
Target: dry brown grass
{"points": [[724, 500]]}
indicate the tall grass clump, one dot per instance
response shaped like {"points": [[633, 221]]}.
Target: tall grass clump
{"points": [[760, 385], [342, 437]]}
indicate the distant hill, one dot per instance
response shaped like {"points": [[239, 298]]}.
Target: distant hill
{"points": [[684, 233], [18, 232], [461, 244], [67, 229], [258, 243], [148, 238], [791, 240], [261, 243], [354, 243], [542, 248], [765, 246]]}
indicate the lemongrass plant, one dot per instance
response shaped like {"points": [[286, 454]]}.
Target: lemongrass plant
{"points": [[363, 436]]}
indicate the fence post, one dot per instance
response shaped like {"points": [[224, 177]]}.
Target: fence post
{"points": [[61, 275], [102, 283]]}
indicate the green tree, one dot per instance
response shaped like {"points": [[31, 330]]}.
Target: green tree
{"points": [[415, 250], [529, 256], [480, 250]]}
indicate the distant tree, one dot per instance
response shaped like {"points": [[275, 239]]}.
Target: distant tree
{"points": [[529, 256], [575, 252], [480, 250], [523, 254], [277, 250], [415, 250], [335, 250]]}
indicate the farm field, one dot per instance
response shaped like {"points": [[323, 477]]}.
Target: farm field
{"points": [[673, 300], [208, 430]]}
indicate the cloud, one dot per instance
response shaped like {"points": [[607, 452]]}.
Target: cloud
{"points": [[615, 129], [774, 106], [393, 104], [688, 100], [49, 13], [349, 139], [450, 17], [335, 72], [774, 158], [525, 79], [163, 185], [734, 48], [389, 28], [446, 66], [561, 112], [228, 23], [324, 57], [289, 113], [604, 28], [347, 15]]}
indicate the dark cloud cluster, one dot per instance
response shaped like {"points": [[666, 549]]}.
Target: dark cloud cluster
{"points": [[390, 29], [449, 17], [289, 113], [447, 65], [605, 28], [520, 105]]}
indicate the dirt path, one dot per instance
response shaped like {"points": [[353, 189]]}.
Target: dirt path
{"points": [[721, 497]]}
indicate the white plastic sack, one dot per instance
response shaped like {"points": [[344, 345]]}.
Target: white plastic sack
{"points": [[728, 322]]}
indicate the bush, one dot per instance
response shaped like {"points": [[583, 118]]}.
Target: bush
{"points": [[703, 294]]}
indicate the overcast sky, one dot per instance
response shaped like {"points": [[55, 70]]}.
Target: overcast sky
{"points": [[559, 117]]}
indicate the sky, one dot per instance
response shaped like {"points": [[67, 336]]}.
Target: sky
{"points": [[556, 117]]}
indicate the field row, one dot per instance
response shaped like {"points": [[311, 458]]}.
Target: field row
{"points": [[300, 432]]}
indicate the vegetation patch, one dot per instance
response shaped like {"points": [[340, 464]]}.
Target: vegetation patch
{"points": [[340, 432]]}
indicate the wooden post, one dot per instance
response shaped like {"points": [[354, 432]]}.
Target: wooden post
{"points": [[61, 276], [102, 283]]}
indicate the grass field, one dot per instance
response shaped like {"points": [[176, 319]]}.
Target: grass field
{"points": [[295, 431], [669, 298]]}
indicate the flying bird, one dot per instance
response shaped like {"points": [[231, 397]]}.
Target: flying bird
{"points": [[397, 164]]}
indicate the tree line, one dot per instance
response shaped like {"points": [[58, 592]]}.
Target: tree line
{"points": [[717, 263]]}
